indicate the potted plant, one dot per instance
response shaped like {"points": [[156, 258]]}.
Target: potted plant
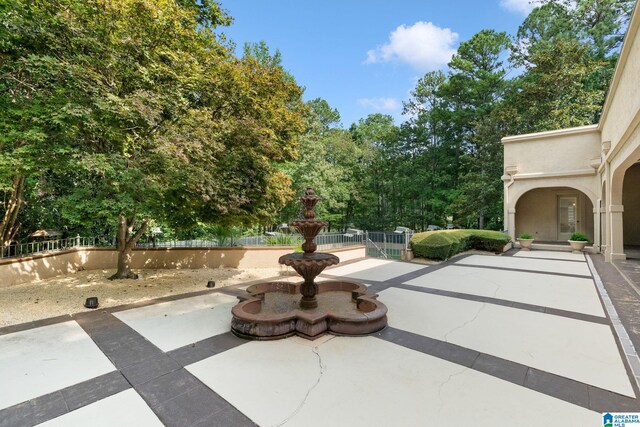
{"points": [[526, 240], [578, 241]]}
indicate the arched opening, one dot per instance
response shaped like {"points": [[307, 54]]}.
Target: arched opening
{"points": [[553, 214], [630, 216]]}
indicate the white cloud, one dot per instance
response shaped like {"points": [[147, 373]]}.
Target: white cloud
{"points": [[519, 6], [423, 45], [380, 104]]}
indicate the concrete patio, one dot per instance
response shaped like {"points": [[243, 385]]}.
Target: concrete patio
{"points": [[478, 340]]}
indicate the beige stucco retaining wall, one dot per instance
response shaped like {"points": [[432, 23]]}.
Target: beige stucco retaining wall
{"points": [[13, 272]]}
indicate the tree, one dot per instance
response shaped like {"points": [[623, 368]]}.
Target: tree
{"points": [[476, 86], [327, 161], [149, 115], [585, 36], [554, 92]]}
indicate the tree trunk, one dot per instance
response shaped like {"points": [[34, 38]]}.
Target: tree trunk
{"points": [[125, 244], [8, 225]]}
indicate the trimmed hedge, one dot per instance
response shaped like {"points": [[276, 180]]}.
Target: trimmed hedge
{"points": [[444, 244]]}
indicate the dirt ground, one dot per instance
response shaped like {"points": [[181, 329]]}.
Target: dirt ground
{"points": [[66, 294]]}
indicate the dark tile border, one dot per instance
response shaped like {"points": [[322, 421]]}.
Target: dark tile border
{"points": [[515, 251], [508, 303], [201, 350], [53, 405], [568, 390], [552, 259], [511, 252], [521, 270], [19, 327], [176, 396]]}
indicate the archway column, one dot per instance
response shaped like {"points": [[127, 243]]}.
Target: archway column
{"points": [[596, 226], [511, 224], [615, 248]]}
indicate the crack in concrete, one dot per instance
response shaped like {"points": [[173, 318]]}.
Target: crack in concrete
{"points": [[315, 350], [446, 336], [444, 383]]}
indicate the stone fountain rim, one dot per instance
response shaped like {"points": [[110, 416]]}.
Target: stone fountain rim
{"points": [[380, 309]]}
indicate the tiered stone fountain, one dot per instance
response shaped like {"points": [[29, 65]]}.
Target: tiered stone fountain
{"points": [[275, 310]]}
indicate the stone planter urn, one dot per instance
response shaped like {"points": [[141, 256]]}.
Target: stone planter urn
{"points": [[577, 245], [525, 244]]}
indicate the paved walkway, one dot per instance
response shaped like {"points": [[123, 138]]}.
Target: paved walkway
{"points": [[479, 340]]}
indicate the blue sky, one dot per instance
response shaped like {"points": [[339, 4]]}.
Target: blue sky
{"points": [[365, 57]]}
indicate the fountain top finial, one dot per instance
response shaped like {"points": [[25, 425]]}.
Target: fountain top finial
{"points": [[309, 200]]}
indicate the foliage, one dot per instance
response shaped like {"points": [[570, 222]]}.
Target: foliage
{"points": [[330, 161], [225, 235], [281, 240], [444, 244], [136, 108], [139, 107], [525, 236], [579, 237]]}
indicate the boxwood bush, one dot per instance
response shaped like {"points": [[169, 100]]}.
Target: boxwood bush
{"points": [[446, 243]]}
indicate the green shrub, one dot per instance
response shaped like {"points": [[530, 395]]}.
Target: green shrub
{"points": [[444, 244], [579, 237], [281, 240], [525, 236], [492, 241], [433, 245]]}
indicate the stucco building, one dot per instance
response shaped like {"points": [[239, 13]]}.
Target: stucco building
{"points": [[584, 179]]}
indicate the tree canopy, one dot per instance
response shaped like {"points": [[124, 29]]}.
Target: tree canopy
{"points": [[121, 113]]}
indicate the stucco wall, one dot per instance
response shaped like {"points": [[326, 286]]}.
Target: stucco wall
{"points": [[537, 213], [556, 152], [13, 272], [622, 108]]}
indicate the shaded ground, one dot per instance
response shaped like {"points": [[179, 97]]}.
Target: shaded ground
{"points": [[67, 294]]}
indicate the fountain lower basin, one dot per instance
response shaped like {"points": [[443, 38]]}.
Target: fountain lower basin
{"points": [[272, 311]]}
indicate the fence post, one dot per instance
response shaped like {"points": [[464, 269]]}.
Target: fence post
{"points": [[366, 243], [384, 242]]}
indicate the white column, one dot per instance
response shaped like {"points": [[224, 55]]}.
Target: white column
{"points": [[596, 226], [615, 247], [512, 223]]}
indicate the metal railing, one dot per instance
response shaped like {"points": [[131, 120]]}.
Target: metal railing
{"points": [[378, 244], [33, 248], [389, 245], [324, 241]]}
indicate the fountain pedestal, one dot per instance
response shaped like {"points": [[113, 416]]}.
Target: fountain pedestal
{"points": [[272, 310]]}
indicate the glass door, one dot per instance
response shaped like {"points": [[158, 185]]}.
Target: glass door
{"points": [[567, 216]]}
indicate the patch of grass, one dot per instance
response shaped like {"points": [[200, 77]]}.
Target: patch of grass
{"points": [[444, 244]]}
